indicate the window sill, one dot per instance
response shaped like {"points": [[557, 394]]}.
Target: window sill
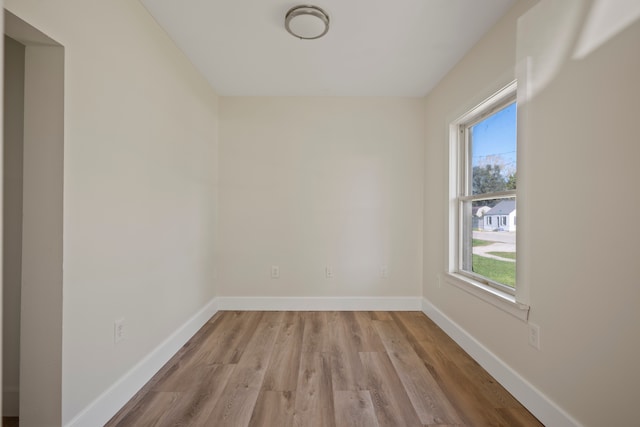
{"points": [[495, 297]]}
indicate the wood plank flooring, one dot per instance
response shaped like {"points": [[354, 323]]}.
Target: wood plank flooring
{"points": [[322, 369]]}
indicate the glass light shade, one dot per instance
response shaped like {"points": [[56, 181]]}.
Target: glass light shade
{"points": [[307, 22]]}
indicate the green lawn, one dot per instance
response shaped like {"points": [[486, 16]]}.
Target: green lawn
{"points": [[499, 271], [478, 242], [508, 255]]}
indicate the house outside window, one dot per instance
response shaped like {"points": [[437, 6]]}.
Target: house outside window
{"points": [[484, 183]]}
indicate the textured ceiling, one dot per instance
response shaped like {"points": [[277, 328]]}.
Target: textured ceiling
{"points": [[373, 48]]}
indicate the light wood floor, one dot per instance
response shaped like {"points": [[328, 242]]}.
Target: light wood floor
{"points": [[337, 369]]}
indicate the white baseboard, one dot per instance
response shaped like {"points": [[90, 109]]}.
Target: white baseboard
{"points": [[10, 402], [321, 303], [115, 397], [534, 400]]}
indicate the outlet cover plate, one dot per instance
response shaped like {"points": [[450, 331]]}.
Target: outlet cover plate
{"points": [[534, 336], [119, 330]]}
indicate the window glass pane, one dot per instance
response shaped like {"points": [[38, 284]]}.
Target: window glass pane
{"points": [[489, 240], [492, 151]]}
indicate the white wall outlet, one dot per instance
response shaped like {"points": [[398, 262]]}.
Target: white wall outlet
{"points": [[119, 330], [384, 272], [534, 336], [275, 272], [439, 280], [328, 272]]}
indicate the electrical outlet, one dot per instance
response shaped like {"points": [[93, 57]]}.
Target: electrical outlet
{"points": [[119, 330], [439, 280], [384, 272], [275, 272], [328, 272], [534, 336]]}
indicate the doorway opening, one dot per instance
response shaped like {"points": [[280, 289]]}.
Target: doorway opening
{"points": [[32, 206]]}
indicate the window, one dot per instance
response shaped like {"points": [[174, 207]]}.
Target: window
{"points": [[484, 163]]}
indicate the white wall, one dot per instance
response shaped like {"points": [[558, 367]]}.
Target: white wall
{"points": [[12, 223], [307, 183], [140, 181], [41, 292], [579, 157]]}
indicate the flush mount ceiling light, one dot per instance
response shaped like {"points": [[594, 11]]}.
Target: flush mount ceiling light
{"points": [[307, 22]]}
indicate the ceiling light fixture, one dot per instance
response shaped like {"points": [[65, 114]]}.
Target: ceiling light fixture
{"points": [[306, 22]]}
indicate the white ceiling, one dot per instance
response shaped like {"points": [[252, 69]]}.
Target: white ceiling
{"points": [[373, 48]]}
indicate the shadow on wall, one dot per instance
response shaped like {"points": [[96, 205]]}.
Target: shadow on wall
{"points": [[572, 30]]}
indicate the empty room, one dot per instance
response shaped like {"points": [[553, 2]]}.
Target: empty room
{"points": [[341, 213]]}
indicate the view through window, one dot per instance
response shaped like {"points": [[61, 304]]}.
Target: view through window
{"points": [[487, 203]]}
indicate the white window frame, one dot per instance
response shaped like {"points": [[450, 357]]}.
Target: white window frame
{"points": [[500, 296]]}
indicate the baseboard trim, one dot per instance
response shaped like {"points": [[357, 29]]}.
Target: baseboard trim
{"points": [[115, 397], [10, 402], [321, 303], [533, 399]]}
